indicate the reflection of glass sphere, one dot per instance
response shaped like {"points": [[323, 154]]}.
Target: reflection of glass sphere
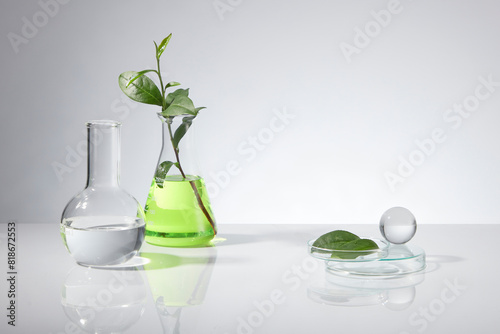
{"points": [[400, 299], [398, 225]]}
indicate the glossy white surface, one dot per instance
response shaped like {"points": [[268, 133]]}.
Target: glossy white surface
{"points": [[257, 279]]}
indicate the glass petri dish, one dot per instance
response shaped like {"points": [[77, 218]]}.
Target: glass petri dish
{"points": [[398, 261], [389, 261]]}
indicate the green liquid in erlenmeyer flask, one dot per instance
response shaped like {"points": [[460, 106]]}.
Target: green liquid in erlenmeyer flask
{"points": [[174, 216]]}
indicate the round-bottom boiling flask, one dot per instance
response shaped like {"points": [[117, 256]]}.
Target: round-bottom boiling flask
{"points": [[103, 225]]}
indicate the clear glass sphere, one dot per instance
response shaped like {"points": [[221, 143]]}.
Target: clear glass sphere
{"points": [[398, 225]]}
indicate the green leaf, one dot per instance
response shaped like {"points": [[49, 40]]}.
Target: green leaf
{"points": [[179, 92], [198, 109], [181, 105], [359, 244], [141, 90], [330, 239], [182, 129], [139, 74], [160, 48], [356, 246], [342, 242], [161, 172], [172, 84]]}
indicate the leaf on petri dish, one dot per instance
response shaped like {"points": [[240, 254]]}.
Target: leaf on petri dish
{"points": [[340, 242], [357, 246], [330, 240]]}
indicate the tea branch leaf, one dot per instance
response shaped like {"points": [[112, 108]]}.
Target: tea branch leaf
{"points": [[171, 84], [180, 105], [182, 129], [161, 172], [139, 74], [142, 90], [179, 92], [160, 48]]}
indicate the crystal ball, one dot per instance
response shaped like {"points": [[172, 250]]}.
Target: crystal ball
{"points": [[398, 225]]}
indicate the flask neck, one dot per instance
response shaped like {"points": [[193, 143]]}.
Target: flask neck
{"points": [[179, 151], [103, 147]]}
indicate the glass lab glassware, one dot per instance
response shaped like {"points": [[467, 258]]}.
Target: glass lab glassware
{"points": [[178, 211], [103, 225], [398, 225]]}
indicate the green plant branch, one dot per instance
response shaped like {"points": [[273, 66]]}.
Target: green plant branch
{"points": [[202, 206], [177, 103], [192, 183]]}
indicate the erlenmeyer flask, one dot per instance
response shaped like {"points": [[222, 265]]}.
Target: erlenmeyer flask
{"points": [[178, 211], [103, 224]]}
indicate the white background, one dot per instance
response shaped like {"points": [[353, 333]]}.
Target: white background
{"points": [[354, 116]]}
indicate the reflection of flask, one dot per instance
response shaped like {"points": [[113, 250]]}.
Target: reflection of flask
{"points": [[179, 281], [103, 301], [178, 211], [103, 224]]}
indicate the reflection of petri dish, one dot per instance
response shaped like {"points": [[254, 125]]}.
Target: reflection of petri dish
{"points": [[389, 261], [368, 283], [396, 293], [341, 255], [330, 294]]}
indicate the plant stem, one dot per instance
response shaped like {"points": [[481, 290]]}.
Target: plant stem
{"points": [[202, 206], [192, 183], [161, 83]]}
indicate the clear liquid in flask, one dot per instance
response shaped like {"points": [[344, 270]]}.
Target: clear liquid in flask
{"points": [[102, 240]]}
